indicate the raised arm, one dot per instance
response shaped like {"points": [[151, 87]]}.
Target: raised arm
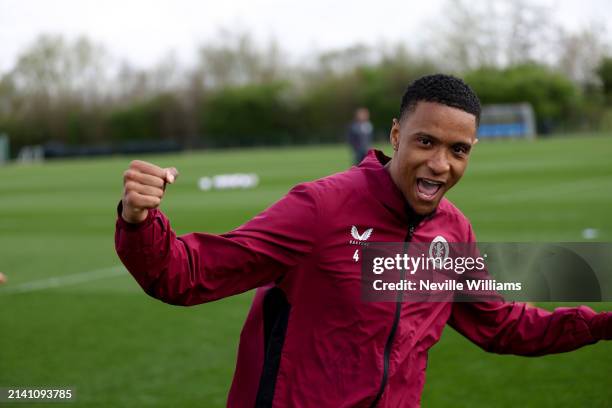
{"points": [[197, 268]]}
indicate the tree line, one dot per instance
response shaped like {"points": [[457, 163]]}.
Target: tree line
{"points": [[243, 93]]}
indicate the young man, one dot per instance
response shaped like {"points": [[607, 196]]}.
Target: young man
{"points": [[309, 340]]}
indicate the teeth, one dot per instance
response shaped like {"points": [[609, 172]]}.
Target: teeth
{"points": [[433, 183]]}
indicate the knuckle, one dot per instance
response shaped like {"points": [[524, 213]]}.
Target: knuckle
{"points": [[133, 198], [128, 174], [159, 182], [130, 185]]}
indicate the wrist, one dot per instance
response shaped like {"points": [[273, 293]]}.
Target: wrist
{"points": [[133, 216], [601, 326]]}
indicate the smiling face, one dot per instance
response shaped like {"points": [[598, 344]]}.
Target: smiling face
{"points": [[432, 146]]}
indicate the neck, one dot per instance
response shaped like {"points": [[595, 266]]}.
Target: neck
{"points": [[388, 168]]}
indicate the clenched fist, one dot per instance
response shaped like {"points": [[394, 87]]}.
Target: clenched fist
{"points": [[144, 185]]}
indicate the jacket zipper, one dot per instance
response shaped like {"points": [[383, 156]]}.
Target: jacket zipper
{"points": [[396, 318]]}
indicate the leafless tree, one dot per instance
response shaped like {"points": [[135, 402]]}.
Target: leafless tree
{"points": [[234, 58], [579, 53]]}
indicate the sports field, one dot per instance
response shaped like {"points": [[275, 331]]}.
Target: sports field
{"points": [[70, 315]]}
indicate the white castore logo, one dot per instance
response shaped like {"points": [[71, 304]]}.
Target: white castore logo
{"points": [[361, 237]]}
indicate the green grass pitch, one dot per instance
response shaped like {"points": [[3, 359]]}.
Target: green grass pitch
{"points": [[99, 333]]}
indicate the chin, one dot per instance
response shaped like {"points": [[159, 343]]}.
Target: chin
{"points": [[425, 209]]}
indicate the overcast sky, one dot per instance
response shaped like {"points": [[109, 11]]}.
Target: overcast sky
{"points": [[144, 31]]}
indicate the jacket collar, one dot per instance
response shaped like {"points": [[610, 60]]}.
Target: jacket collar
{"points": [[382, 186]]}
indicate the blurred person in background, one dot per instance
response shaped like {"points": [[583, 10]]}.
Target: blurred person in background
{"points": [[360, 134], [2, 278]]}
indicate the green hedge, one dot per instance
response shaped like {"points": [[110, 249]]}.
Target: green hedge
{"points": [[554, 97]]}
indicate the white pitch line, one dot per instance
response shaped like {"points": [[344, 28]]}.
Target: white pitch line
{"points": [[66, 280]]}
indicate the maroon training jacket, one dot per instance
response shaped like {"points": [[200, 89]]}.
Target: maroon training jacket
{"points": [[309, 340]]}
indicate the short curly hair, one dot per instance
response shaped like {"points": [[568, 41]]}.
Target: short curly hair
{"points": [[444, 89]]}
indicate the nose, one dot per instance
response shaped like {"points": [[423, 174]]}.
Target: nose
{"points": [[439, 163]]}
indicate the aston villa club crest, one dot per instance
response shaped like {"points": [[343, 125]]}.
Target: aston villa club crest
{"points": [[439, 250]]}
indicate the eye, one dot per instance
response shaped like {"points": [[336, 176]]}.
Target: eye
{"points": [[425, 141], [461, 150]]}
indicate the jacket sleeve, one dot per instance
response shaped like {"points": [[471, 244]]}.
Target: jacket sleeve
{"points": [[518, 328], [197, 267]]}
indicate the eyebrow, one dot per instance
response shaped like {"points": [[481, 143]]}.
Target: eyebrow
{"points": [[428, 135], [466, 146]]}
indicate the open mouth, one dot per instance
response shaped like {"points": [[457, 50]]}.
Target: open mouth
{"points": [[427, 188]]}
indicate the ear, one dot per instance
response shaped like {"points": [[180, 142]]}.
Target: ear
{"points": [[394, 135]]}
